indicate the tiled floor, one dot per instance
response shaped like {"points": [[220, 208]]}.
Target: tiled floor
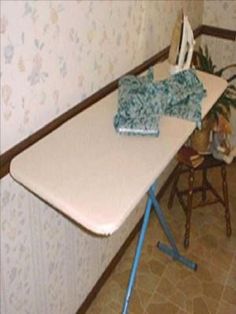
{"points": [[165, 287]]}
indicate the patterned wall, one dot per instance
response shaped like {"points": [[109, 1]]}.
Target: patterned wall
{"points": [[56, 53], [220, 14], [53, 55], [223, 52]]}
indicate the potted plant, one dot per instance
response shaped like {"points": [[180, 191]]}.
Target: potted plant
{"points": [[203, 62]]}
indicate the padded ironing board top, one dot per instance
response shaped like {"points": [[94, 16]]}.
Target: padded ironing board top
{"points": [[95, 176]]}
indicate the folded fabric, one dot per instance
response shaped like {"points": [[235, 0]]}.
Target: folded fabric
{"points": [[141, 101], [130, 83], [184, 94], [137, 113], [130, 123]]}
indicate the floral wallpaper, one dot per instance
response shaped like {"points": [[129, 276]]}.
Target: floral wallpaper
{"points": [[56, 53], [221, 13], [53, 55], [223, 52]]}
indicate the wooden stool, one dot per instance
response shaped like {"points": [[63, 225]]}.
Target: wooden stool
{"points": [[209, 162]]}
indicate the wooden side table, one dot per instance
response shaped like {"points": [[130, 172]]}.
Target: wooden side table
{"points": [[206, 187]]}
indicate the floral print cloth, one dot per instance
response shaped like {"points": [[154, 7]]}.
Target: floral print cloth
{"points": [[142, 101], [138, 113], [183, 95]]}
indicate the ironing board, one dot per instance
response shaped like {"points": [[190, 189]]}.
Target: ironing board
{"points": [[96, 177]]}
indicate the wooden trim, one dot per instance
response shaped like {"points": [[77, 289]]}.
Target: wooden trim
{"points": [[222, 33], [106, 274], [6, 157], [197, 31]]}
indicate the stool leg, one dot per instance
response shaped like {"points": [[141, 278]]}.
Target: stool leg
{"points": [[226, 201], [189, 208], [173, 189], [204, 185]]}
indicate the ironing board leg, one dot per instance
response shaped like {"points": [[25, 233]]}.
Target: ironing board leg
{"points": [[137, 255], [171, 250]]}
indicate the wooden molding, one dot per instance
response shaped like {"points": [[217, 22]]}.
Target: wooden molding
{"points": [[222, 33]]}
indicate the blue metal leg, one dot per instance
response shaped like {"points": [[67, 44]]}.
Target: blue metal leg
{"points": [[170, 250], [137, 255]]}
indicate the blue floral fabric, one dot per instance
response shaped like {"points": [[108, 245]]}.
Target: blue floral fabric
{"points": [[137, 114], [184, 94], [142, 101]]}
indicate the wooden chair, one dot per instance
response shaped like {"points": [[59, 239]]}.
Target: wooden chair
{"points": [[209, 162]]}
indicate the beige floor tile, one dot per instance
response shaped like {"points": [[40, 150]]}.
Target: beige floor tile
{"points": [[231, 281], [181, 312], [160, 304], [190, 286], [213, 290], [212, 304], [199, 306], [178, 298], [225, 308], [222, 259], [229, 295], [164, 308]]}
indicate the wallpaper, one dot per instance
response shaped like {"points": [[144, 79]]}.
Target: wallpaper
{"points": [[53, 55], [220, 13], [223, 52]]}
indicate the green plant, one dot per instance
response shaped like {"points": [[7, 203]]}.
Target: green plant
{"points": [[203, 62]]}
